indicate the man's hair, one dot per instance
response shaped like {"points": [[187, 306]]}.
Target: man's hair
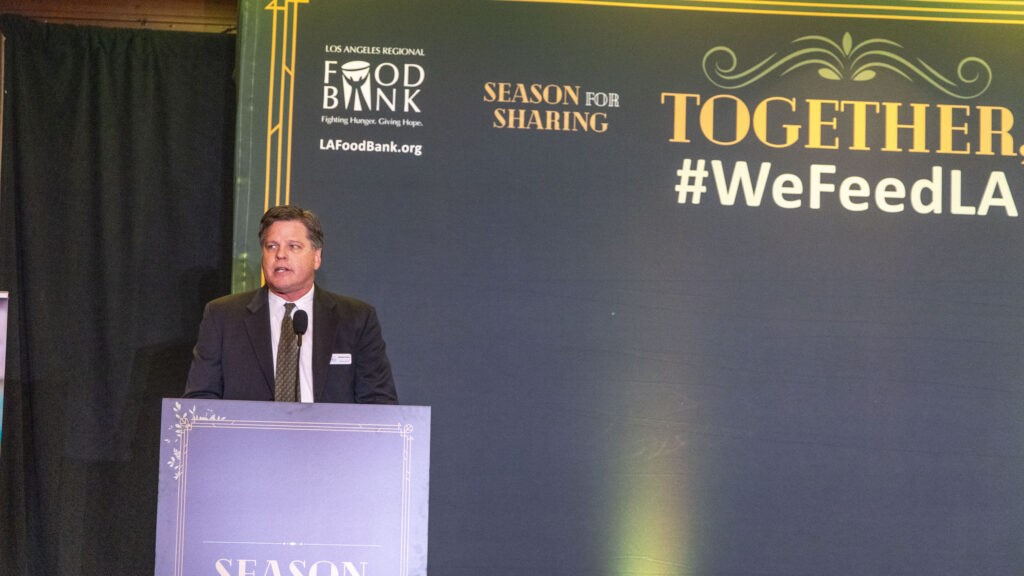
{"points": [[314, 231]]}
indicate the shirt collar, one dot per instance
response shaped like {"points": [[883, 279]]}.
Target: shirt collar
{"points": [[305, 302]]}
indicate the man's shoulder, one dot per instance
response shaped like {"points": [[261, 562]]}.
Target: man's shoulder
{"points": [[341, 301], [237, 301]]}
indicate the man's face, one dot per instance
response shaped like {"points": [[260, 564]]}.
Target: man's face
{"points": [[289, 259]]}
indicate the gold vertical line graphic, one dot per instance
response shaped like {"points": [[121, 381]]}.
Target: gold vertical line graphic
{"points": [[280, 101], [282, 80], [291, 105], [271, 126]]}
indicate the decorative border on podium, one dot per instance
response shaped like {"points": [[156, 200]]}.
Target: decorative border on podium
{"points": [[189, 421]]}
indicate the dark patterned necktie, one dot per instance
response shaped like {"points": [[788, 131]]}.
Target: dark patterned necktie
{"points": [[286, 378]]}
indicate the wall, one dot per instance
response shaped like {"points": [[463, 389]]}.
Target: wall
{"points": [[215, 16]]}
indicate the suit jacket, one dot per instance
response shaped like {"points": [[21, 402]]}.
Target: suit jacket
{"points": [[233, 355]]}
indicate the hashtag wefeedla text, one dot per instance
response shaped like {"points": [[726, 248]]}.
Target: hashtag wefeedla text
{"points": [[935, 193]]}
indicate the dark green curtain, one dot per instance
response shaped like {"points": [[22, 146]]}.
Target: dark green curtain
{"points": [[115, 207]]}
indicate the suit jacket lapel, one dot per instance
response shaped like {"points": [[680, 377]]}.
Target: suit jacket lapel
{"points": [[325, 324], [257, 325]]}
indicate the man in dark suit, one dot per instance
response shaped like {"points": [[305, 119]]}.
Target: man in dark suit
{"points": [[237, 353]]}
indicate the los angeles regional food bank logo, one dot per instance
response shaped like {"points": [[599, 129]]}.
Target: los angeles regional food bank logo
{"points": [[363, 85], [375, 87]]}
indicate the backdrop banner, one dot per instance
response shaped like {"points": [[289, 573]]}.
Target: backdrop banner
{"points": [[291, 488], [692, 287]]}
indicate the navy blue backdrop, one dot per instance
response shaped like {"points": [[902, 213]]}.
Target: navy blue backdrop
{"points": [[626, 380]]}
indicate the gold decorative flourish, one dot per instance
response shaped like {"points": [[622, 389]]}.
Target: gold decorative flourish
{"points": [[848, 61]]}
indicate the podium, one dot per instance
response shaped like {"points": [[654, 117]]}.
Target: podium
{"points": [[287, 489]]}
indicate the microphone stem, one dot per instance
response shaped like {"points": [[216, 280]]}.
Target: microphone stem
{"points": [[298, 373]]}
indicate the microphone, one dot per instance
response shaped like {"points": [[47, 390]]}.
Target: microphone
{"points": [[300, 321]]}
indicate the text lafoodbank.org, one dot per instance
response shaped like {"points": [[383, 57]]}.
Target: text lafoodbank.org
{"points": [[370, 146]]}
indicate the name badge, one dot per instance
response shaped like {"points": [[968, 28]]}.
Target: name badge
{"points": [[341, 358]]}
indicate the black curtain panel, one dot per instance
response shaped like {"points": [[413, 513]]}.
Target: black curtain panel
{"points": [[116, 208]]}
